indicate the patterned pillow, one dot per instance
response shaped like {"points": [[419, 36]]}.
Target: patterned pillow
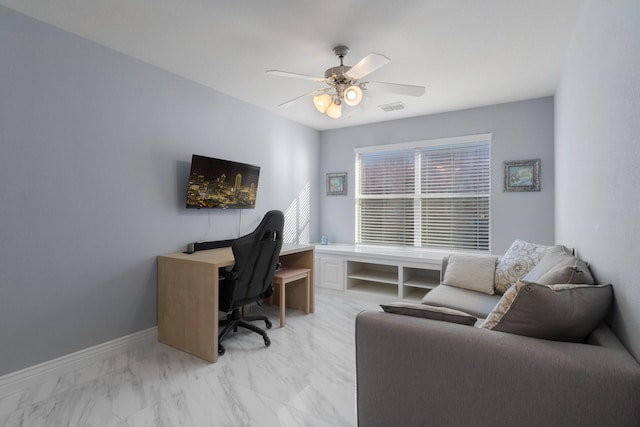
{"points": [[517, 261], [555, 312]]}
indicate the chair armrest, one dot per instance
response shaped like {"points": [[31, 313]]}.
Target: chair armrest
{"points": [[414, 372]]}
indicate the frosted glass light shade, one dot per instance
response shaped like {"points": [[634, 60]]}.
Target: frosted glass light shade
{"points": [[353, 95], [334, 110], [322, 102]]}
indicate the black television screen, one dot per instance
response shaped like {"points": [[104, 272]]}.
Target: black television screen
{"points": [[216, 183]]}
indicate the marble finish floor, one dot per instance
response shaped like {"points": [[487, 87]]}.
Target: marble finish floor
{"points": [[305, 378]]}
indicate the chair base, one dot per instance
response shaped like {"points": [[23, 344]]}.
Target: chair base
{"points": [[235, 320]]}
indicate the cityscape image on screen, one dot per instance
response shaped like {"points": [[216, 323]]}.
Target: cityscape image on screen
{"points": [[223, 184]]}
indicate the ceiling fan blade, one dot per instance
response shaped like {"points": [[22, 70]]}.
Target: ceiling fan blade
{"points": [[295, 75], [400, 89], [367, 65], [297, 98]]}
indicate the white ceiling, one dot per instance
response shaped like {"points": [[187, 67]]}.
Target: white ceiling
{"points": [[467, 53]]}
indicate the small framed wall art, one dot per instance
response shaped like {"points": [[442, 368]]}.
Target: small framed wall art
{"points": [[522, 175], [337, 184]]}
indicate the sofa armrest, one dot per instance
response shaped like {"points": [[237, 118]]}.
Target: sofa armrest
{"points": [[416, 372]]}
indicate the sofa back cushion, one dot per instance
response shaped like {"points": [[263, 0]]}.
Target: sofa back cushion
{"points": [[472, 302], [559, 265]]}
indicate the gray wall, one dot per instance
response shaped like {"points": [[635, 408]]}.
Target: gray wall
{"points": [[521, 130], [598, 154], [94, 157]]}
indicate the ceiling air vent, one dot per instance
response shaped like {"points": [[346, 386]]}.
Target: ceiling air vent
{"points": [[395, 106]]}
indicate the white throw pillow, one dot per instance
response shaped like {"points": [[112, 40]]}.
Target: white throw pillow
{"points": [[473, 272]]}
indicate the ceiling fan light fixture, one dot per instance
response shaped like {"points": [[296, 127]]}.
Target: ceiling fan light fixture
{"points": [[334, 110], [353, 95], [322, 102], [346, 84]]}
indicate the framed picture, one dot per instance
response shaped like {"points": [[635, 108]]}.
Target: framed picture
{"points": [[522, 175], [337, 184]]}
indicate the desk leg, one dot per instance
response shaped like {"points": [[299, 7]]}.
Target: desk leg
{"points": [[188, 307], [307, 290], [281, 291]]}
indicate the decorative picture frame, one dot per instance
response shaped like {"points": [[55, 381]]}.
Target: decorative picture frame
{"points": [[522, 175], [337, 184]]}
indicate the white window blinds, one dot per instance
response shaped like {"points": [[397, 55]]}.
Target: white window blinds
{"points": [[427, 194]]}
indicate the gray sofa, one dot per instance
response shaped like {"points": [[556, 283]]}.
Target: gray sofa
{"points": [[413, 371]]}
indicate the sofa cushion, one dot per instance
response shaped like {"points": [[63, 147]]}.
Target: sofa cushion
{"points": [[555, 312], [429, 312], [473, 272], [559, 265], [519, 259], [475, 303]]}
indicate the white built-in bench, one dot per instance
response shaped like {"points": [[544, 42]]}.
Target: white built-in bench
{"points": [[403, 273]]}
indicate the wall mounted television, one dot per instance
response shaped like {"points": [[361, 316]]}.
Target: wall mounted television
{"points": [[222, 184]]}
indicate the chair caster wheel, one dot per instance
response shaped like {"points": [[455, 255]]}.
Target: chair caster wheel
{"points": [[268, 323], [267, 341], [221, 350]]}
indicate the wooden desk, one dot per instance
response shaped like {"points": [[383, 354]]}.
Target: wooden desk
{"points": [[188, 296]]}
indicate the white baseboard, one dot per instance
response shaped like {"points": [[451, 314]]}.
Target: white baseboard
{"points": [[15, 381]]}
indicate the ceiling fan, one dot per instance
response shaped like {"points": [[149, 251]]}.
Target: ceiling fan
{"points": [[345, 83]]}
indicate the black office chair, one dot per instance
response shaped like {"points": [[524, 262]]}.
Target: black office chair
{"points": [[250, 279]]}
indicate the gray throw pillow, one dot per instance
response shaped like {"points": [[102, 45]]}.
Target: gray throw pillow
{"points": [[558, 265], [473, 272], [552, 312], [430, 312]]}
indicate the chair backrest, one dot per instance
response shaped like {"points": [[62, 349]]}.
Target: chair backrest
{"points": [[256, 256]]}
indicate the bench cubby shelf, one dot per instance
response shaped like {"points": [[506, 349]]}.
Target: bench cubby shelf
{"points": [[398, 273]]}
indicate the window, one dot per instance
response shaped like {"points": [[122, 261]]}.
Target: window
{"points": [[430, 194]]}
